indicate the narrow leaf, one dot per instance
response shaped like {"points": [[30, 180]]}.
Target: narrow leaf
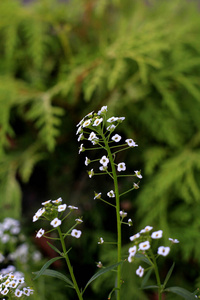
{"points": [[146, 278], [48, 263], [150, 287], [168, 275], [54, 248], [143, 258], [181, 292], [101, 272], [58, 275]]}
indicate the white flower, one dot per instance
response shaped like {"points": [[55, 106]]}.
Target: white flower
{"points": [[79, 130], [80, 137], [174, 241], [157, 234], [97, 122], [163, 250], [13, 284], [76, 233], [18, 293], [91, 173], [62, 207], [140, 271], [130, 258], [111, 127], [138, 174], [146, 229], [80, 123], [102, 110], [87, 161], [121, 167], [103, 168], [72, 207], [38, 214], [92, 136], [132, 250], [131, 143], [81, 149], [121, 119], [144, 245], [130, 222], [101, 240], [116, 138], [5, 291], [123, 214], [86, 123], [135, 236], [100, 265], [112, 119], [79, 221], [46, 202], [111, 194], [136, 186], [89, 115], [104, 161], [97, 196], [57, 200], [40, 233], [55, 222]]}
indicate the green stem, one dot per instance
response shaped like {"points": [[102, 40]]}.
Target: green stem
{"points": [[69, 265], [117, 197], [157, 278]]}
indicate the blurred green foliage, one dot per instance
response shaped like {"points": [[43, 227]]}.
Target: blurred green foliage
{"points": [[60, 60]]}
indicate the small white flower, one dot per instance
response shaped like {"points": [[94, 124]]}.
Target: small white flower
{"points": [[55, 222], [79, 221], [99, 265], [163, 250], [144, 245], [130, 258], [103, 168], [131, 143], [123, 214], [92, 136], [112, 119], [135, 236], [121, 119], [111, 194], [35, 218], [80, 123], [62, 207], [111, 127], [146, 229], [40, 212], [140, 271], [79, 130], [130, 222], [174, 241], [91, 173], [5, 291], [76, 233], [40, 233], [116, 138], [104, 161], [86, 123], [121, 167], [46, 202], [101, 240], [81, 149], [13, 284], [80, 137], [18, 293], [87, 161], [57, 200], [97, 196], [72, 207], [102, 110], [97, 122], [136, 186], [157, 234], [132, 250], [138, 174]]}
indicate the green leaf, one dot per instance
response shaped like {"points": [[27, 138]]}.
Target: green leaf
{"points": [[150, 287], [181, 292], [143, 258], [48, 263], [58, 275], [101, 272], [168, 275], [54, 248], [146, 278]]}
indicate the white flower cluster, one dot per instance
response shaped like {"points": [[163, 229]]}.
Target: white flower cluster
{"points": [[11, 285], [50, 210], [9, 228], [142, 242]]}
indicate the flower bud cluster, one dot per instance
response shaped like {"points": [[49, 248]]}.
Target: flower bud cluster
{"points": [[12, 285]]}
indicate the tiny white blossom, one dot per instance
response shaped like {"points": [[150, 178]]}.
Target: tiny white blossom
{"points": [[116, 138], [135, 236], [79, 221], [76, 233], [174, 241], [55, 222], [136, 186], [157, 234], [91, 173], [87, 161], [101, 240], [146, 229], [81, 149], [62, 207], [13, 284], [5, 291], [72, 207], [102, 110], [132, 250], [80, 137], [87, 123], [140, 271], [100, 265], [104, 161], [111, 194], [57, 200], [40, 233], [97, 122], [123, 214], [18, 293], [130, 258], [92, 136], [97, 196], [46, 202], [144, 245], [111, 127], [79, 130], [138, 174], [130, 222], [121, 167], [163, 250], [103, 168], [112, 119], [121, 119], [131, 143]]}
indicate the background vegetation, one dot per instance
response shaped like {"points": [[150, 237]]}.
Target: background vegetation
{"points": [[59, 61]]}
